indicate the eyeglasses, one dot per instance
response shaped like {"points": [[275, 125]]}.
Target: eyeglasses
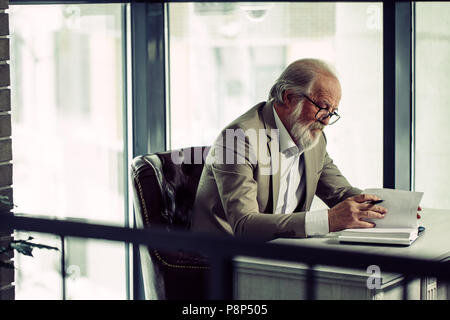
{"points": [[323, 113]]}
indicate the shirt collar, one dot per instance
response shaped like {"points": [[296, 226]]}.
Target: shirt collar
{"points": [[285, 139]]}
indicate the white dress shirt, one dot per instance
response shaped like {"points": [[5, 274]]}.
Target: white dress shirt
{"points": [[292, 182]]}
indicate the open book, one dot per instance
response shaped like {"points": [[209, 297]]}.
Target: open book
{"points": [[399, 226]]}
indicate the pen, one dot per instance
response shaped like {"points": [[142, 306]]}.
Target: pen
{"points": [[375, 201]]}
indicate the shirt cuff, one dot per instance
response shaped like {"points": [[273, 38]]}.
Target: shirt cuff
{"points": [[316, 222]]}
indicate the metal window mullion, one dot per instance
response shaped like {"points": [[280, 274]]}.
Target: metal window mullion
{"points": [[139, 115], [148, 94], [126, 146], [168, 140], [156, 76], [148, 64], [397, 85], [63, 269], [413, 95]]}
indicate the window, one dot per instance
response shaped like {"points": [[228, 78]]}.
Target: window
{"points": [[432, 133], [67, 76], [224, 58], [68, 107]]}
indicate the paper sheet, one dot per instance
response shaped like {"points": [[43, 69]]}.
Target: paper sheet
{"points": [[401, 205]]}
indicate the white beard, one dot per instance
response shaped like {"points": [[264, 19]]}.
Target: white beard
{"points": [[301, 131]]}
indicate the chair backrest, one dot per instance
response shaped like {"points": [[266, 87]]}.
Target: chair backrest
{"points": [[164, 192]]}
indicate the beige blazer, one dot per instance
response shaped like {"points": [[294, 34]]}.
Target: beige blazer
{"points": [[239, 198]]}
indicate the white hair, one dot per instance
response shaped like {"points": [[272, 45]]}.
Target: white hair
{"points": [[299, 76], [301, 130]]}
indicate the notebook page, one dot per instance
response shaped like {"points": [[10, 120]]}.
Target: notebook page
{"points": [[401, 205]]}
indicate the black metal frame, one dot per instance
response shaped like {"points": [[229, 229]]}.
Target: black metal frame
{"points": [[397, 91], [149, 118], [126, 150], [148, 90]]}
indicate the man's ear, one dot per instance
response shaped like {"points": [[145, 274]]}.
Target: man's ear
{"points": [[289, 98]]}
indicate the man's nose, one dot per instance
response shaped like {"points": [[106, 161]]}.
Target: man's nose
{"points": [[326, 120]]}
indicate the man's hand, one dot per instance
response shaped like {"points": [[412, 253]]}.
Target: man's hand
{"points": [[348, 213]]}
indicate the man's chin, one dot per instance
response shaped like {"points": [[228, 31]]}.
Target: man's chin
{"points": [[309, 138], [315, 132]]}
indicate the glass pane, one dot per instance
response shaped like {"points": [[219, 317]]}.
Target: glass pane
{"points": [[38, 277], [224, 58], [67, 84], [92, 267], [432, 133]]}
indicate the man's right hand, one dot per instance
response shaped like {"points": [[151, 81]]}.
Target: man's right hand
{"points": [[348, 213]]}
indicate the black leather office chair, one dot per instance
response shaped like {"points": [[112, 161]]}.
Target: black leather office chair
{"points": [[164, 193]]}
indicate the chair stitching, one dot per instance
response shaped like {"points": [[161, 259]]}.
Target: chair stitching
{"points": [[174, 265], [144, 207]]}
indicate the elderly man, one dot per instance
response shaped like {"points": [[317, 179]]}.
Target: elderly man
{"points": [[240, 196]]}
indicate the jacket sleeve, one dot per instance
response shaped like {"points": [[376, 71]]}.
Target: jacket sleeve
{"points": [[332, 186]]}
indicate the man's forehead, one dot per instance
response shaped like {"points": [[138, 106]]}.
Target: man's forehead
{"points": [[325, 82], [327, 86]]}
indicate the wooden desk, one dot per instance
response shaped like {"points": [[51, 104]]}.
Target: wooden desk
{"points": [[268, 279]]}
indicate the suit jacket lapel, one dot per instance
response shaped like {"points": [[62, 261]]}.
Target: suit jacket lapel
{"points": [[269, 124], [310, 172], [275, 162]]}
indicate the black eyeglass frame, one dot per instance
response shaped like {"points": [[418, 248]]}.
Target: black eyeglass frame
{"points": [[329, 114]]}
